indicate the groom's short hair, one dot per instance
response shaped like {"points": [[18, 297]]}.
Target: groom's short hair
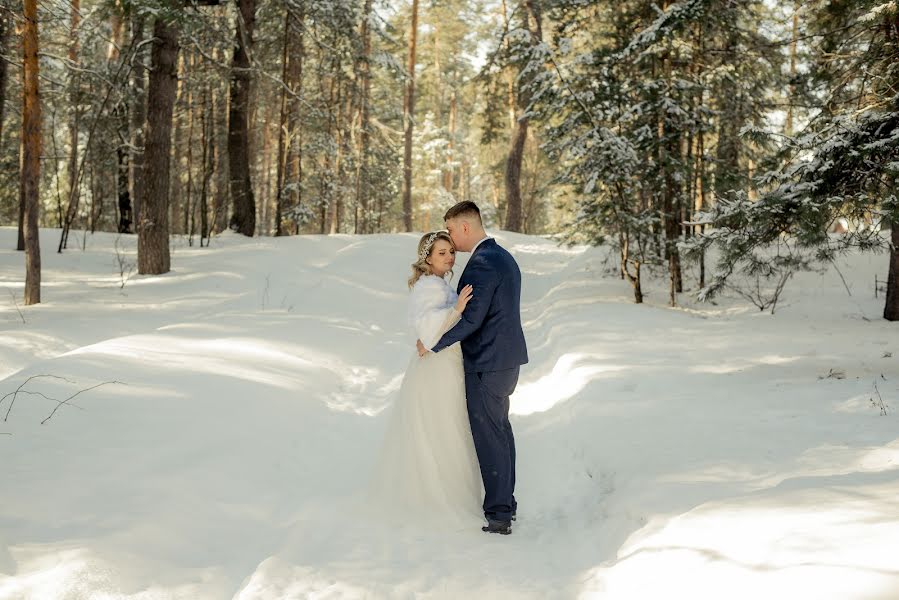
{"points": [[466, 208]]}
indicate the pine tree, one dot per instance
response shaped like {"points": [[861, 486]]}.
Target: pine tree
{"points": [[639, 110], [841, 166]]}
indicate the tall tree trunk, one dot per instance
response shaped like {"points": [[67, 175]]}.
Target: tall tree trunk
{"points": [[326, 170], [295, 145], [113, 54], [891, 309], [189, 221], [208, 125], [73, 170], [409, 119], [256, 154], [364, 68], [243, 219], [531, 12], [138, 115], [336, 199], [282, 126], [266, 185], [669, 147], [449, 170], [727, 169], [20, 245], [510, 79], [117, 30], [438, 75], [699, 186], [788, 126], [176, 185], [634, 278], [5, 28], [513, 176], [153, 191], [221, 177], [700, 197], [123, 195], [31, 161]]}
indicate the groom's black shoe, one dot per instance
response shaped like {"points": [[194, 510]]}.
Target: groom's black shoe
{"points": [[501, 527], [514, 515]]}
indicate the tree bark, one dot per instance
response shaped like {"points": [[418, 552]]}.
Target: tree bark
{"points": [[153, 191], [336, 199], [73, 178], [5, 27], [727, 169], [699, 188], [176, 185], [295, 145], [513, 176], [510, 80], [31, 159], [362, 185], [530, 11], [408, 120], [669, 149], [221, 179], [208, 127], [891, 308], [264, 224], [243, 219], [635, 278], [449, 170], [700, 199], [123, 193], [189, 221], [20, 244], [138, 110], [289, 167], [282, 127], [788, 126]]}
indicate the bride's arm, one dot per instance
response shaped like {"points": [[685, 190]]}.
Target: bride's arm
{"points": [[428, 312]]}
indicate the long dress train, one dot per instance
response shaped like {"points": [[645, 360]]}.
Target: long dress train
{"points": [[428, 467]]}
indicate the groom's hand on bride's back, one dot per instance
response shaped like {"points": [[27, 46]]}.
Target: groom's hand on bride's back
{"points": [[464, 297], [421, 348]]}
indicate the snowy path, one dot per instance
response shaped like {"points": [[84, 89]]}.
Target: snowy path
{"points": [[695, 452]]}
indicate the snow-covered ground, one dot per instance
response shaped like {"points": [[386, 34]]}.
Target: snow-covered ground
{"points": [[709, 451]]}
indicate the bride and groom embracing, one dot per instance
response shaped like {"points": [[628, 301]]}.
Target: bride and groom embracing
{"points": [[449, 442]]}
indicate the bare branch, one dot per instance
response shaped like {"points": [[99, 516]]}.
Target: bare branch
{"points": [[16, 304], [19, 389], [66, 401]]}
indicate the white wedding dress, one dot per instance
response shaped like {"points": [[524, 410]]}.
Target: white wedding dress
{"points": [[428, 470]]}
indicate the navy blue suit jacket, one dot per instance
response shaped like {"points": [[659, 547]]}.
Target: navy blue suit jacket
{"points": [[490, 328]]}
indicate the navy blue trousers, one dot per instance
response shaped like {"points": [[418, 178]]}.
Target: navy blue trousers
{"points": [[487, 395]]}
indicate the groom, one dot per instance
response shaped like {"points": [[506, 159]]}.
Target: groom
{"points": [[493, 349]]}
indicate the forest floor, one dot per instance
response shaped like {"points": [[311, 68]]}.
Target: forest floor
{"points": [[706, 451]]}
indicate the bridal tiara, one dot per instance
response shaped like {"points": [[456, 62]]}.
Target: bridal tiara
{"points": [[426, 249]]}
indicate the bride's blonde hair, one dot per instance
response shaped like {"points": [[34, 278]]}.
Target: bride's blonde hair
{"points": [[425, 245]]}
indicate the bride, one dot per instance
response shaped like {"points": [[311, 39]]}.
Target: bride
{"points": [[428, 463]]}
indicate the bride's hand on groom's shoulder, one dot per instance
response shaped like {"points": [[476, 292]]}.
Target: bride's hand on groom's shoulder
{"points": [[464, 296], [421, 348]]}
